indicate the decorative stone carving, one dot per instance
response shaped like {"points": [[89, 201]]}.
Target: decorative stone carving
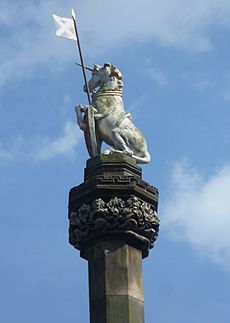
{"points": [[113, 203], [115, 216]]}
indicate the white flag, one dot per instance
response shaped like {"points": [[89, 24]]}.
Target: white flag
{"points": [[64, 27]]}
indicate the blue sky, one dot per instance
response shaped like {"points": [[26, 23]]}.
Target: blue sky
{"points": [[174, 56]]}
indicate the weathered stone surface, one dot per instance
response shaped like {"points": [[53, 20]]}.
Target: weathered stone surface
{"points": [[113, 203], [113, 222], [115, 283], [133, 217], [105, 118]]}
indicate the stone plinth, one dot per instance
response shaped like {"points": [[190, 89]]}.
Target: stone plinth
{"points": [[114, 223]]}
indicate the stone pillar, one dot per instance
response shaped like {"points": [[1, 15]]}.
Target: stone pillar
{"points": [[114, 223], [115, 283]]}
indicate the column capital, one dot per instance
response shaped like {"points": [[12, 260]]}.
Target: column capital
{"points": [[113, 203]]}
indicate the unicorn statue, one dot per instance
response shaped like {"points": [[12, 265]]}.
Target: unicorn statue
{"points": [[105, 119]]}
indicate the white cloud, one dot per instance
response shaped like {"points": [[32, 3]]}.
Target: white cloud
{"points": [[197, 211], [28, 38], [12, 152], [42, 148], [197, 80], [5, 155], [137, 104], [157, 76], [226, 95], [201, 85], [63, 145]]}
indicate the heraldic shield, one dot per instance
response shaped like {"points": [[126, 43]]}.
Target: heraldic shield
{"points": [[90, 133]]}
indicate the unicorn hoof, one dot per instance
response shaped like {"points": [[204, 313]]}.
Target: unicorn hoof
{"points": [[129, 152], [107, 152]]}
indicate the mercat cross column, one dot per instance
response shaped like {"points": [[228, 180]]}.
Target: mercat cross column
{"points": [[114, 224]]}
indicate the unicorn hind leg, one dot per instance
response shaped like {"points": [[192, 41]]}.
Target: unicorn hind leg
{"points": [[119, 142]]}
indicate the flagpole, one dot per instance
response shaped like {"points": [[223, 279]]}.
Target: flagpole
{"points": [[81, 58]]}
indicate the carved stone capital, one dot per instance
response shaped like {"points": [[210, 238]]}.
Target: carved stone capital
{"points": [[113, 203], [131, 219]]}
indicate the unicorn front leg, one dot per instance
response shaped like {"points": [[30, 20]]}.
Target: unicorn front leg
{"points": [[80, 110]]}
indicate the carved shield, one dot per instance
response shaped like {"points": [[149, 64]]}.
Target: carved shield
{"points": [[90, 133]]}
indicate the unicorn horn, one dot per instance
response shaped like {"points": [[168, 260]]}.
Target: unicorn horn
{"points": [[86, 67]]}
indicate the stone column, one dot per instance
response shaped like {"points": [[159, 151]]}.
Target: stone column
{"points": [[114, 223]]}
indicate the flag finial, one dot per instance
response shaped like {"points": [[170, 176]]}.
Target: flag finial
{"points": [[73, 14]]}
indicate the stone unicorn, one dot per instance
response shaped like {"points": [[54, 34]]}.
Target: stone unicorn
{"points": [[112, 124]]}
